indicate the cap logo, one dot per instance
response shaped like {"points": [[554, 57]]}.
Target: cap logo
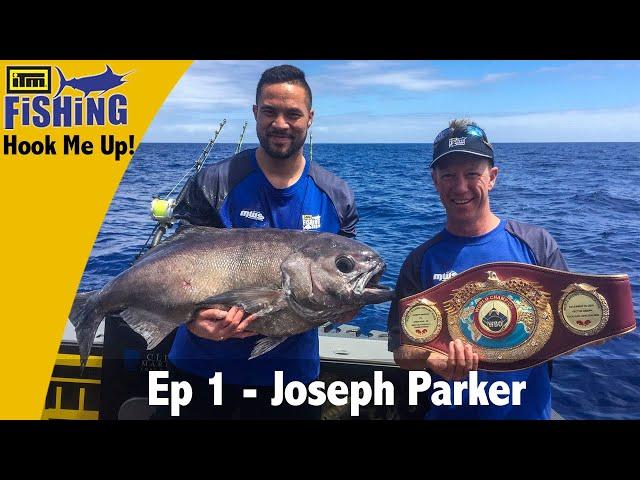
{"points": [[454, 142]]}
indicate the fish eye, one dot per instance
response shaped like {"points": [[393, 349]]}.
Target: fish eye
{"points": [[345, 264]]}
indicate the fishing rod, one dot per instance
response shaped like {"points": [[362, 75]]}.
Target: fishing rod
{"points": [[244, 127], [162, 208]]}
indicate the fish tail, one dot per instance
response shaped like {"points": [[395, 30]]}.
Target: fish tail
{"points": [[86, 316], [63, 82]]}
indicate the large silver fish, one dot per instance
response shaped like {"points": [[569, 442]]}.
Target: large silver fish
{"points": [[292, 280]]}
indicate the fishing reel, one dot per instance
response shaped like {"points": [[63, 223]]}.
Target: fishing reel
{"points": [[162, 210]]}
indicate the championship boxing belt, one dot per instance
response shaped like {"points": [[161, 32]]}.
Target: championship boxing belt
{"points": [[517, 315]]}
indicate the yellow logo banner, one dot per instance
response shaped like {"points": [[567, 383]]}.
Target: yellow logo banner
{"points": [[69, 130]]}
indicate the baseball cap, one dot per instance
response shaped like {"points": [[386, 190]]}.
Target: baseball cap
{"points": [[469, 139]]}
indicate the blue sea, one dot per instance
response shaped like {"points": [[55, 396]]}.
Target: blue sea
{"points": [[585, 194]]}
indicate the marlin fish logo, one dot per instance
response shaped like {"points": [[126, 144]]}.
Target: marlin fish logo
{"points": [[93, 83]]}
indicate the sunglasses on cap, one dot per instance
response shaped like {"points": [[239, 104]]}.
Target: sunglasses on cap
{"points": [[474, 130], [470, 140]]}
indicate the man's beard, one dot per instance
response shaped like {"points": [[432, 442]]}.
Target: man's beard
{"points": [[296, 145]]}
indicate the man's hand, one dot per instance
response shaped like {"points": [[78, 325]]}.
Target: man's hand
{"points": [[457, 364], [219, 325]]}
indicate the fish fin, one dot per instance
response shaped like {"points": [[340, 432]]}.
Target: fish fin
{"points": [[259, 300], [86, 316], [153, 327], [265, 345], [63, 82]]}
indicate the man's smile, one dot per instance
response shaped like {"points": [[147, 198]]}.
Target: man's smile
{"points": [[461, 201]]}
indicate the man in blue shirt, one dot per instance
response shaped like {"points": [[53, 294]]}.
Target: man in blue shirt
{"points": [[273, 186], [463, 173]]}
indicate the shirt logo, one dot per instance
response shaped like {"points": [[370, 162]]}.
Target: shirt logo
{"points": [[454, 142], [441, 277], [310, 222], [252, 214]]}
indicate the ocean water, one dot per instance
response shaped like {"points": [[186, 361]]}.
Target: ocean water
{"points": [[585, 194]]}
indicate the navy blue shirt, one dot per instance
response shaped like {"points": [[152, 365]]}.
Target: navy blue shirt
{"points": [[445, 256], [235, 193]]}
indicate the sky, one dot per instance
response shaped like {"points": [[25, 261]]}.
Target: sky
{"points": [[358, 101]]}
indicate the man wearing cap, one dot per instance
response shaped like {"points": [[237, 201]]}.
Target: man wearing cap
{"points": [[463, 174]]}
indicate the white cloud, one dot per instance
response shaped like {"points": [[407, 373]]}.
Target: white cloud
{"points": [[597, 125], [202, 92], [603, 125], [219, 84], [414, 81], [408, 76], [199, 130], [494, 77], [360, 66], [213, 90], [588, 69], [552, 69]]}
